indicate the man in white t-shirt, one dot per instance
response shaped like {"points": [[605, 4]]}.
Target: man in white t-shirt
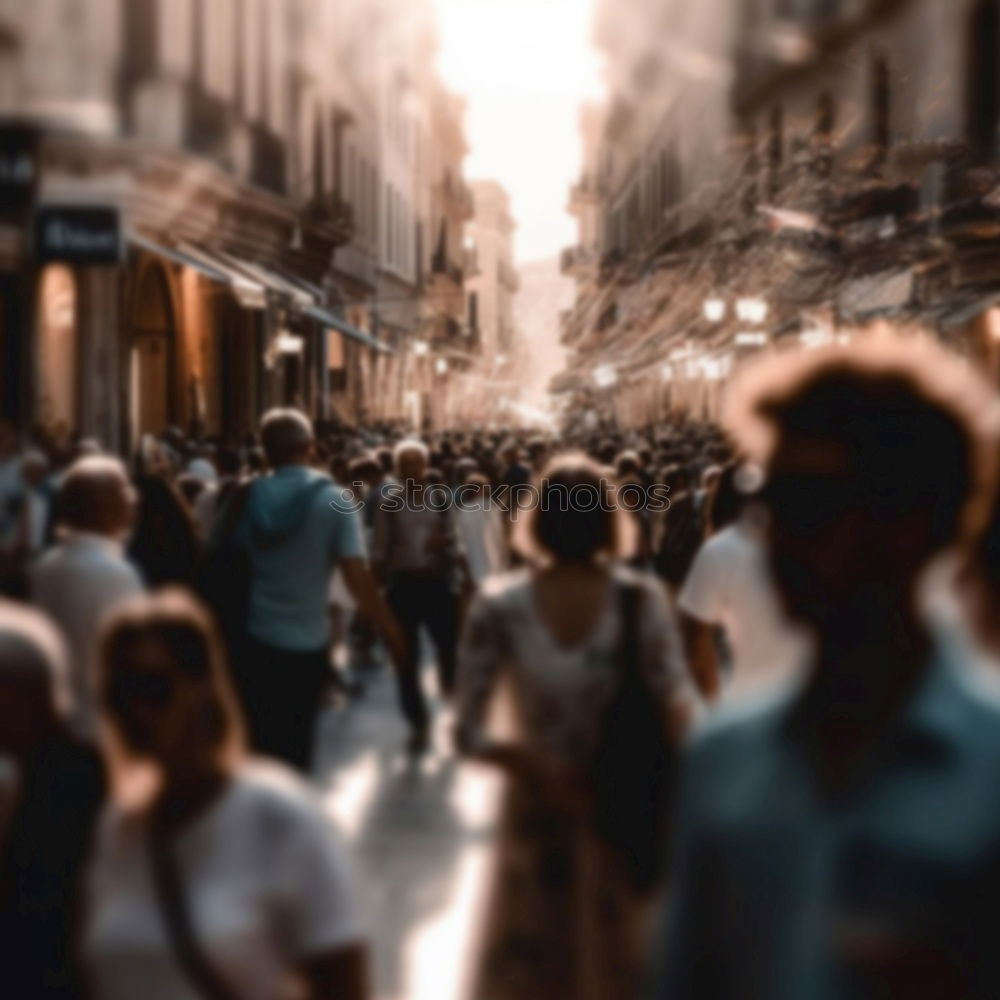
{"points": [[729, 587], [82, 579]]}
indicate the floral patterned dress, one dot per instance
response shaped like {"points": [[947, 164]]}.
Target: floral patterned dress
{"points": [[563, 922]]}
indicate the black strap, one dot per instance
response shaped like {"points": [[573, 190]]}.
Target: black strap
{"points": [[629, 644], [184, 944], [230, 510]]}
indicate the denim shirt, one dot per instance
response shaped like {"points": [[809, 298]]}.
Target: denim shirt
{"points": [[777, 886]]}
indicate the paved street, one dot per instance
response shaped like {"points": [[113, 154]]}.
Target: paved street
{"points": [[421, 835]]}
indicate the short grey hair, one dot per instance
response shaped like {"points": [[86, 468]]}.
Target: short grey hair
{"points": [[31, 648], [285, 434], [410, 446]]}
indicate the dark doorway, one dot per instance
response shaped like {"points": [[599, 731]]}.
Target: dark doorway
{"points": [[983, 96], [152, 355]]}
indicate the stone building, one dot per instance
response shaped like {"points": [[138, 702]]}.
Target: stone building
{"points": [[207, 207], [812, 180], [493, 282]]}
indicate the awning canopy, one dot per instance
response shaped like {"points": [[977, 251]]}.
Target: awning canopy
{"points": [[250, 283], [249, 293], [272, 280], [178, 257], [335, 322]]}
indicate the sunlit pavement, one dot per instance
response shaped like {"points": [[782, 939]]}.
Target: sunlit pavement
{"points": [[421, 837]]}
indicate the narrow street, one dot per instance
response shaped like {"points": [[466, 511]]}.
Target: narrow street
{"points": [[420, 835]]}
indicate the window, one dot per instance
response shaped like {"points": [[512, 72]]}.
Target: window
{"points": [[776, 147], [238, 34], [881, 105], [142, 27], [266, 41], [388, 224], [319, 158], [198, 54], [826, 116], [983, 83]]}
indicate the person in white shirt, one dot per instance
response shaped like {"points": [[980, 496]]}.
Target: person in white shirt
{"points": [[86, 575], [227, 880], [735, 631], [480, 530], [729, 587]]}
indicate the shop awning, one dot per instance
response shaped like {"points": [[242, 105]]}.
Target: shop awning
{"points": [[299, 297], [335, 322], [249, 293], [178, 257]]}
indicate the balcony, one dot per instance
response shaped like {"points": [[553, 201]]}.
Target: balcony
{"points": [[585, 193], [334, 213], [458, 195], [267, 160], [470, 263], [441, 266], [207, 125], [577, 261], [11, 24], [508, 277]]}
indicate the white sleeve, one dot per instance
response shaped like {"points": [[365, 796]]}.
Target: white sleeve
{"points": [[660, 641], [702, 595], [316, 887]]}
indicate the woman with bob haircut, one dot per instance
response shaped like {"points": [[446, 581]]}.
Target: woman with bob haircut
{"points": [[226, 880], [549, 655]]}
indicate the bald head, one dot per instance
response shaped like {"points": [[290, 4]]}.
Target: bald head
{"points": [[34, 685], [287, 436], [96, 497], [411, 459]]}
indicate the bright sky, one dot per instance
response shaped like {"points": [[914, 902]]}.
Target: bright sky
{"points": [[525, 67]]}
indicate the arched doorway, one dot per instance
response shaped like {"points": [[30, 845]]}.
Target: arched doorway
{"points": [[56, 370], [152, 354]]}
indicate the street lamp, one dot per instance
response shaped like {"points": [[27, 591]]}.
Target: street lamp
{"points": [[714, 309], [752, 310], [421, 348], [667, 373], [605, 376], [441, 366]]}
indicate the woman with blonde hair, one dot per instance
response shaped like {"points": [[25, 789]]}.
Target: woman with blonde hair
{"points": [[226, 881], [584, 656]]}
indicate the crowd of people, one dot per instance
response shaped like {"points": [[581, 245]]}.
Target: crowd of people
{"points": [[740, 679]]}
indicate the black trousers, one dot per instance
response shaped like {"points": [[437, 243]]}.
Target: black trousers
{"points": [[424, 600], [281, 692]]}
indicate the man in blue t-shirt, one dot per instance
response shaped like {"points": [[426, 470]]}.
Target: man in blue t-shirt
{"points": [[298, 526]]}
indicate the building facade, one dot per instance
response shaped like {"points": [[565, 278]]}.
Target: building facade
{"points": [[811, 181], [207, 207], [492, 286]]}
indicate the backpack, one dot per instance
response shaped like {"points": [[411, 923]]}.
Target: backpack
{"points": [[224, 573]]}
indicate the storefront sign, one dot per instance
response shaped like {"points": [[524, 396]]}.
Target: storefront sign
{"points": [[19, 167], [76, 234]]}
